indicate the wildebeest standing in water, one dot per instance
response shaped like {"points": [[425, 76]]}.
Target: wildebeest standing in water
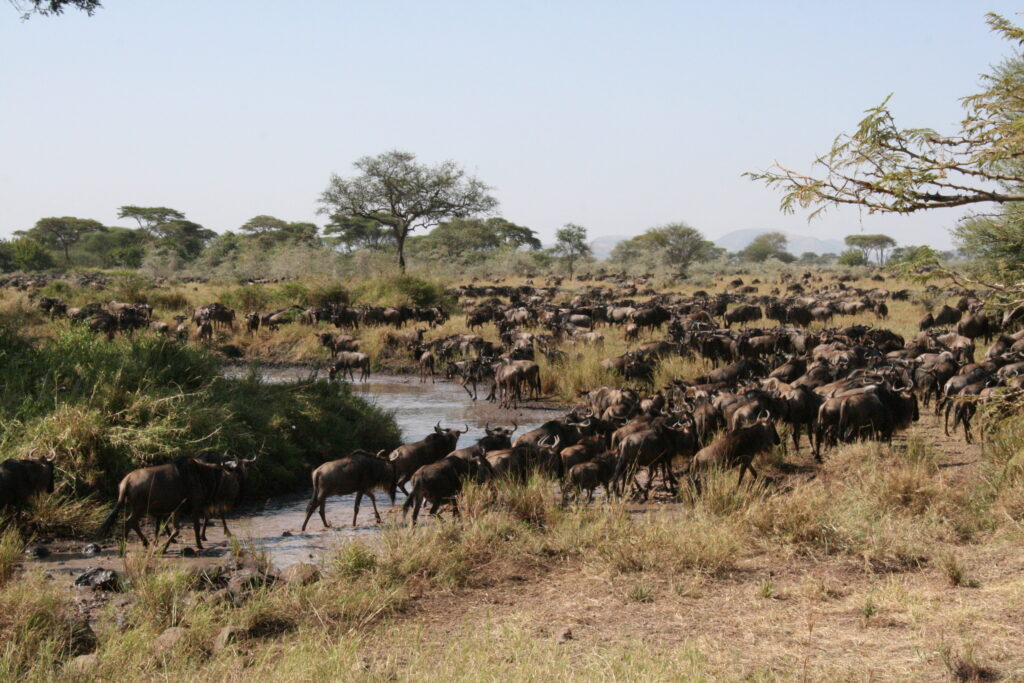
{"points": [[22, 479], [184, 485], [361, 473]]}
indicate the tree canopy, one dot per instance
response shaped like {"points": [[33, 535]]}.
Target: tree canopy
{"points": [[866, 244], [571, 245], [169, 229], [62, 233], [48, 8], [392, 189], [766, 246], [886, 168], [270, 231], [474, 239], [675, 246], [889, 169]]}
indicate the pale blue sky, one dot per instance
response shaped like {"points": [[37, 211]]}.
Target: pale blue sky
{"points": [[617, 116]]}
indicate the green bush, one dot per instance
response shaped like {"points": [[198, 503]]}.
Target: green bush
{"points": [[248, 298], [104, 408]]}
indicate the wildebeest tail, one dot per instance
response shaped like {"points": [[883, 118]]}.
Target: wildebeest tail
{"points": [[112, 517]]}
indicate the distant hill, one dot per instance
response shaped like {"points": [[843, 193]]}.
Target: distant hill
{"points": [[798, 244], [603, 246]]}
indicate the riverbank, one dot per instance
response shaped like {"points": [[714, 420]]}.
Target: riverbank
{"points": [[885, 563]]}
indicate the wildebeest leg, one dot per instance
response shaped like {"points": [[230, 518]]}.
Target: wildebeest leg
{"points": [[223, 523], [359, 497], [133, 523], [197, 521], [434, 506], [590, 496], [373, 500], [417, 501], [310, 508]]}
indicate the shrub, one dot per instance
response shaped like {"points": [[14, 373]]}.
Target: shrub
{"points": [[248, 298]]}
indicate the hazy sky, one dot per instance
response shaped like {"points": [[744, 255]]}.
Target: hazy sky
{"points": [[617, 116]]}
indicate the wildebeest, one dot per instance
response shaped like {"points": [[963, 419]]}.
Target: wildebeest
{"points": [[408, 458], [361, 473], [587, 476], [22, 479], [348, 361], [160, 491], [736, 448], [440, 482], [229, 492]]}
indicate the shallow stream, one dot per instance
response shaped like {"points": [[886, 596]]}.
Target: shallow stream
{"points": [[273, 526]]}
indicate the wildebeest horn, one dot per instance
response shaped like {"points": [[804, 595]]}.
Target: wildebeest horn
{"points": [[437, 427], [487, 427], [514, 428]]}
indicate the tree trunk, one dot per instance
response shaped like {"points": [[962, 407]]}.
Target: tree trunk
{"points": [[400, 241], [67, 255]]}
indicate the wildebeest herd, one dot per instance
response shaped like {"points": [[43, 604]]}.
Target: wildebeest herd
{"points": [[836, 384]]}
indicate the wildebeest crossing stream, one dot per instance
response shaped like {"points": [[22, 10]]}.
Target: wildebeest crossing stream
{"points": [[273, 526]]}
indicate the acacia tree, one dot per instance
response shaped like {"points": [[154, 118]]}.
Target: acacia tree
{"points": [[269, 230], [676, 246], [571, 245], [149, 217], [394, 190], [889, 169], [62, 233], [766, 246], [53, 7], [871, 243]]}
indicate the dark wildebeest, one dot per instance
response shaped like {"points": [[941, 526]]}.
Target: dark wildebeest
{"points": [[744, 313], [653, 448], [440, 482], [361, 473], [410, 457], [229, 493], [736, 448], [186, 484], [22, 479], [587, 476]]}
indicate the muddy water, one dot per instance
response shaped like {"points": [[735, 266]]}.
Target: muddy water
{"points": [[274, 526]]}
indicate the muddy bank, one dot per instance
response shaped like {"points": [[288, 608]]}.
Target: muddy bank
{"points": [[273, 526]]}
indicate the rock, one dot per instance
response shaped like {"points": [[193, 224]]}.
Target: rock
{"points": [[286, 534], [564, 635], [243, 581], [226, 636], [188, 551], [37, 551], [301, 573], [169, 639], [92, 549], [100, 579]]}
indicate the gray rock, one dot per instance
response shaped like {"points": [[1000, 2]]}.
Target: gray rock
{"points": [[169, 639], [226, 636], [37, 551], [301, 573], [100, 579], [92, 549]]}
